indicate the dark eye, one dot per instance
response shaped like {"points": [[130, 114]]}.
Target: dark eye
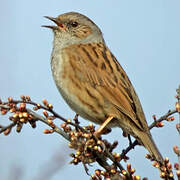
{"points": [[74, 24]]}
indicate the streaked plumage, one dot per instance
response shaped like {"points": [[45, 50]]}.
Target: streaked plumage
{"points": [[92, 81]]}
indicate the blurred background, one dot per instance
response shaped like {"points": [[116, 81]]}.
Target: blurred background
{"points": [[143, 35]]}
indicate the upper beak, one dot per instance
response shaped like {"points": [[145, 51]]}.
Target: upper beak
{"points": [[55, 20]]}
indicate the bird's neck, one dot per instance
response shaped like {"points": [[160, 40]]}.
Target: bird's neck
{"points": [[62, 41]]}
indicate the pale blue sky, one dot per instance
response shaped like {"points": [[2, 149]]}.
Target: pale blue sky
{"points": [[143, 35]]}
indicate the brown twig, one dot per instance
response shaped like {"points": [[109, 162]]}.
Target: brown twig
{"points": [[44, 120], [162, 118], [130, 147], [4, 128]]}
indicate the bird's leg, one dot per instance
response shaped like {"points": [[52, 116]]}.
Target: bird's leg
{"points": [[98, 132]]}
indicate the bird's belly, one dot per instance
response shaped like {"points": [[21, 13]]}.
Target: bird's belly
{"points": [[76, 98], [81, 107]]}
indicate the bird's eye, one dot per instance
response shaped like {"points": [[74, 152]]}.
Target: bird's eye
{"points": [[74, 24]]}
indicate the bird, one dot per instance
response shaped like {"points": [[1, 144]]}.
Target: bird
{"points": [[92, 81]]}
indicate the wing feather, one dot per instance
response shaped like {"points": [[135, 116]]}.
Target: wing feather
{"points": [[97, 67]]}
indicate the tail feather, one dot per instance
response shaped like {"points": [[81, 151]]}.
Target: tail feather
{"points": [[147, 140]]}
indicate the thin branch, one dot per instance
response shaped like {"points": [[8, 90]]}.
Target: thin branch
{"points": [[45, 120], [47, 109], [162, 118], [131, 146], [3, 128]]}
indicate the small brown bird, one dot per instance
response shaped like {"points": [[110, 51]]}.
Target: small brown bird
{"points": [[91, 80]]}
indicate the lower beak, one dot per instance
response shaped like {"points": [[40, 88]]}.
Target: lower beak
{"points": [[51, 27]]}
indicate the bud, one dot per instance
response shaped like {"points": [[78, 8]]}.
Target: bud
{"points": [[176, 166], [45, 113], [169, 165], [103, 172], [91, 125], [162, 175], [4, 111], [19, 127], [20, 115], [98, 172], [159, 124], [137, 177], [28, 98], [78, 153], [148, 156], [7, 131], [156, 164], [133, 171], [178, 107], [166, 160], [124, 172], [23, 97], [12, 110], [99, 149], [178, 127], [38, 106], [50, 122], [63, 125], [125, 134], [129, 167], [50, 106], [178, 174], [70, 145], [170, 118], [176, 149], [45, 102], [171, 175], [48, 131], [22, 120], [25, 114], [154, 117], [35, 108], [69, 121], [10, 99], [113, 171]]}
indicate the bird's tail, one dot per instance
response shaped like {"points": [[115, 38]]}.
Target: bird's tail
{"points": [[147, 140]]}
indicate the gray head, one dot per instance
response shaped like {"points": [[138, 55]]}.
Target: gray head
{"points": [[74, 28]]}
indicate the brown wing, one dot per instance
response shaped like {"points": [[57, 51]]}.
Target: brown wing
{"points": [[96, 66]]}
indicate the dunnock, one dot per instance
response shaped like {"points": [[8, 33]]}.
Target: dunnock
{"points": [[91, 80]]}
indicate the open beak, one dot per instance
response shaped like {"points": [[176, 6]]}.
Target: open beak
{"points": [[56, 21]]}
